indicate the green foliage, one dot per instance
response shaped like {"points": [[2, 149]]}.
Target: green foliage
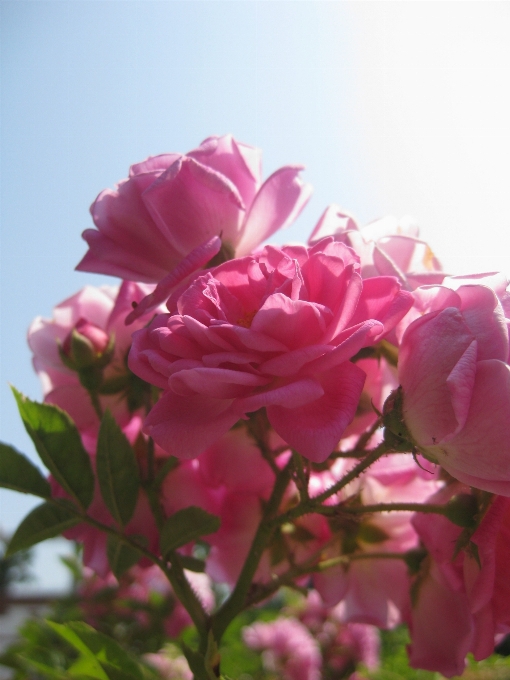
{"points": [[104, 658], [187, 525], [117, 471], [45, 521], [18, 473], [59, 445]]}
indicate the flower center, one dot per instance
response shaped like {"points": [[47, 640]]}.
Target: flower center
{"points": [[246, 319]]}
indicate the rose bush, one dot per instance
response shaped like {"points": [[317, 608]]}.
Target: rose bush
{"points": [[294, 416]]}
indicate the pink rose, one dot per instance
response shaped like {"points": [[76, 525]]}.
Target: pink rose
{"points": [[456, 388], [386, 247], [172, 204], [273, 330], [96, 316]]}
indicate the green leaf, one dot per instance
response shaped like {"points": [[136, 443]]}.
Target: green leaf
{"points": [[114, 660], [18, 473], [187, 525], [117, 470], [59, 445], [121, 557], [45, 521]]}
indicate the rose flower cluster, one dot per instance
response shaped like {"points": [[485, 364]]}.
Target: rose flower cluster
{"points": [[333, 415]]}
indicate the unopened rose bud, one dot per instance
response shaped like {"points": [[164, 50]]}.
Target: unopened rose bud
{"points": [[87, 349], [86, 345], [97, 336]]}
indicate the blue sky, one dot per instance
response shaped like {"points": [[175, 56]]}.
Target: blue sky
{"points": [[391, 106]]}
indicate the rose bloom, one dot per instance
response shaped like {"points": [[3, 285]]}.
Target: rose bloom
{"points": [[456, 387], [274, 330], [174, 203]]}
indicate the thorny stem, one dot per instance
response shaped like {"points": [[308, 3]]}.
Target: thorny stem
{"points": [[238, 599], [186, 595]]}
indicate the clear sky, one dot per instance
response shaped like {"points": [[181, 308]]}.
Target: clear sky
{"points": [[398, 107]]}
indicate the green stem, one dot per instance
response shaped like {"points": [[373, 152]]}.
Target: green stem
{"points": [[237, 600], [394, 507], [258, 431], [186, 595]]}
